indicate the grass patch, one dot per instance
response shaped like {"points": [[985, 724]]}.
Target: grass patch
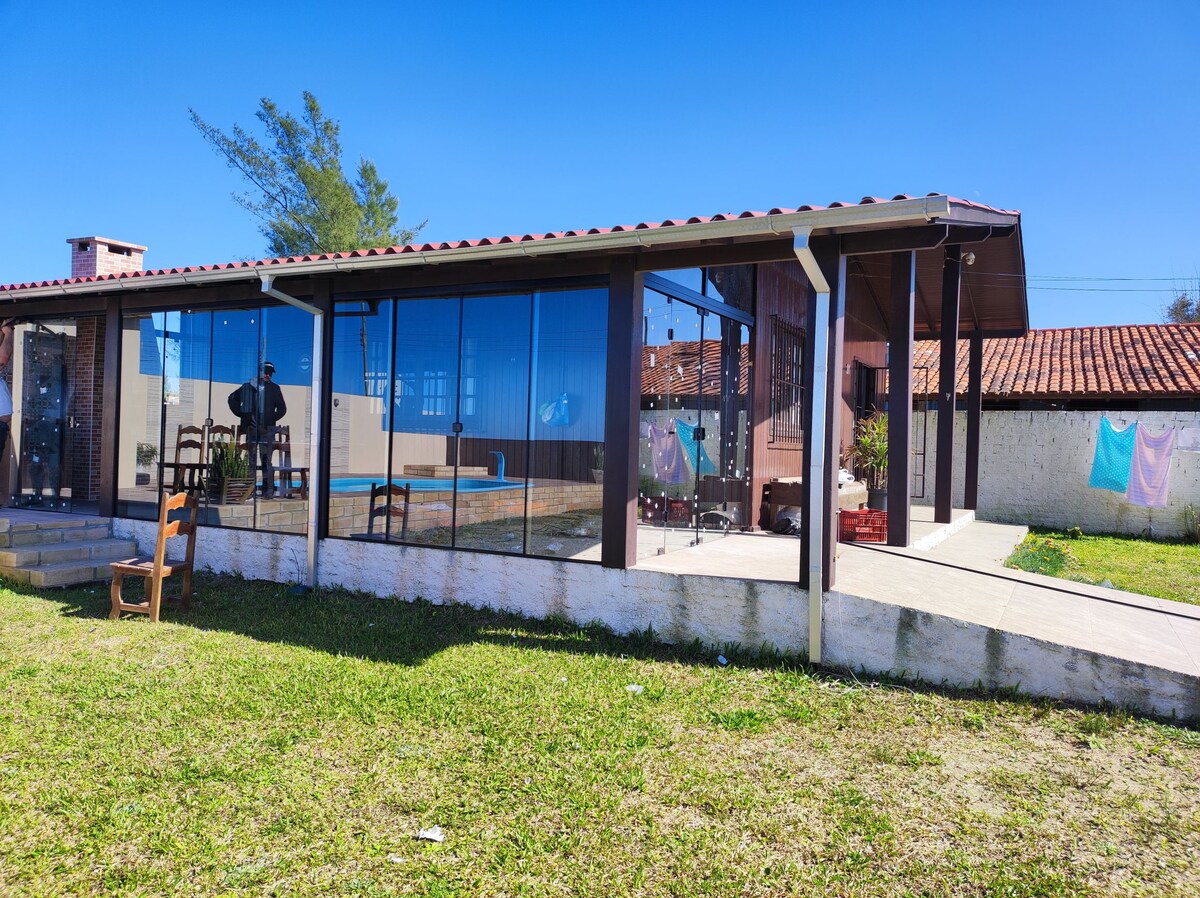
{"points": [[1166, 569], [274, 744]]}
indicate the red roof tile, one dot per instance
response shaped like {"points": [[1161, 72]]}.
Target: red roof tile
{"points": [[1131, 361], [486, 241]]}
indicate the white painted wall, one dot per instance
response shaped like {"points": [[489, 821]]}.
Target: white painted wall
{"points": [[1034, 468]]}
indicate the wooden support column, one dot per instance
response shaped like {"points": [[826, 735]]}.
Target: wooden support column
{"points": [[943, 489], [622, 408], [974, 413], [900, 361], [110, 408]]}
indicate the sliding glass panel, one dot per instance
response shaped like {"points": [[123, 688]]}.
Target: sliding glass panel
{"points": [[566, 432], [424, 412], [139, 451], [492, 471], [360, 422], [284, 467]]}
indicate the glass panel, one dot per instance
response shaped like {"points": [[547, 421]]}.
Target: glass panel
{"points": [[140, 456], [659, 458], [692, 278], [732, 285], [57, 415], [722, 505], [566, 430], [362, 386], [283, 452], [492, 470], [424, 409], [239, 403]]}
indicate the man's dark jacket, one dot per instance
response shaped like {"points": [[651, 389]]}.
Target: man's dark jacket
{"points": [[258, 410]]}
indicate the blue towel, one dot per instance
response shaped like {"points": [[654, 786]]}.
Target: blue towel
{"points": [[699, 458], [1114, 457]]}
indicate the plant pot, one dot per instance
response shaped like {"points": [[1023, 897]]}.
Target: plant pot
{"points": [[597, 475], [231, 491], [877, 500]]}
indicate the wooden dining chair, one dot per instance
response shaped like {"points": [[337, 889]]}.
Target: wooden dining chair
{"points": [[188, 471], [284, 469], [157, 567], [390, 508]]}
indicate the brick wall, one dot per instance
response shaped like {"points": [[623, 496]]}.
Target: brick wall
{"points": [[86, 375], [1034, 467]]}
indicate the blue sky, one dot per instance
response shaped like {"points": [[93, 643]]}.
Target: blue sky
{"points": [[497, 118]]}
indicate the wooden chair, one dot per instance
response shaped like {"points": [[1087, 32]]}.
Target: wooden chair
{"points": [[282, 444], [189, 474], [157, 567], [388, 510]]}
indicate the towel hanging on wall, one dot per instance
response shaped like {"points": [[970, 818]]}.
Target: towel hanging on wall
{"points": [[1113, 458], [1151, 467]]}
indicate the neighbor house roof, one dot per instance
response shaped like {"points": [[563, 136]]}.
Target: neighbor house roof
{"points": [[678, 368], [1133, 361]]}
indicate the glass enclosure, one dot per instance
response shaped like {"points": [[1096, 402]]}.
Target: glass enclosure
{"points": [[471, 421], [694, 480], [199, 411]]}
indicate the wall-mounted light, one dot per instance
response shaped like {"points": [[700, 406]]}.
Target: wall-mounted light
{"points": [[968, 258]]}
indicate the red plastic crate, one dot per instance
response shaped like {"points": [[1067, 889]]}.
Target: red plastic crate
{"points": [[864, 526]]}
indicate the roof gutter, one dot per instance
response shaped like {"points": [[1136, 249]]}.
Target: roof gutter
{"points": [[817, 481], [922, 209], [314, 413]]}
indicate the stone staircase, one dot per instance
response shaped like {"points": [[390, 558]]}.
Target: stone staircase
{"points": [[44, 549]]}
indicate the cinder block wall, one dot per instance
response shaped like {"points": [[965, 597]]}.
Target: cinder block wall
{"points": [[1034, 467]]}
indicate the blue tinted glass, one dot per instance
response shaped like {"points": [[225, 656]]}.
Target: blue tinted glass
{"points": [[692, 278]]}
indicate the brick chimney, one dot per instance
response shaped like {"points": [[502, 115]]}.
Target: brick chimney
{"points": [[98, 256]]}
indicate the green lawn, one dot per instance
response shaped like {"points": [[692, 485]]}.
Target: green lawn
{"points": [[272, 745], [1169, 570]]}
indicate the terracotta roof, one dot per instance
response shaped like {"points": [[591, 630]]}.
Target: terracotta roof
{"points": [[1130, 361], [486, 241], [675, 368]]}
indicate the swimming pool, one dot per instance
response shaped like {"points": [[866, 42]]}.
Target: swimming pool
{"points": [[425, 484]]}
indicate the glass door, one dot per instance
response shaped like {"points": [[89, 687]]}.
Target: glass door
{"points": [[57, 423]]}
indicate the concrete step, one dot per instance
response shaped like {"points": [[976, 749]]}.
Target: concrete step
{"points": [[49, 533], [36, 554], [63, 573]]}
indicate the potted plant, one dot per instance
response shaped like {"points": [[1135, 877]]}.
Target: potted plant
{"points": [[145, 456], [598, 463], [229, 478], [870, 453]]}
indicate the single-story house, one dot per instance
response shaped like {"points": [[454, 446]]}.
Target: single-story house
{"points": [[512, 390]]}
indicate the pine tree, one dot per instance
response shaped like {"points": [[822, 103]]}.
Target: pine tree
{"points": [[300, 192]]}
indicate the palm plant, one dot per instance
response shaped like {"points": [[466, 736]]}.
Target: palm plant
{"points": [[870, 450]]}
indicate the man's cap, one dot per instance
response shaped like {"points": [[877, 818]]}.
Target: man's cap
{"points": [[268, 368]]}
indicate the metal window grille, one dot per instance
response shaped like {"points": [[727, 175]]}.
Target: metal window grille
{"points": [[787, 382]]}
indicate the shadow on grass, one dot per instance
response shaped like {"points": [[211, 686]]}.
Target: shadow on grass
{"points": [[360, 625], [395, 631]]}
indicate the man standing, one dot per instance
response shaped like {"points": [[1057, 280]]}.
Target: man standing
{"points": [[258, 404]]}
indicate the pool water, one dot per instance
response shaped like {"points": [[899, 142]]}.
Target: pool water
{"points": [[425, 484]]}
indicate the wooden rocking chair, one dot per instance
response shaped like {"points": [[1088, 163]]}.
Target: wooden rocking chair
{"points": [[158, 567]]}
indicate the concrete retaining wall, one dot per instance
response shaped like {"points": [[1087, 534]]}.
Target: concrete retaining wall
{"points": [[944, 651], [1034, 467]]}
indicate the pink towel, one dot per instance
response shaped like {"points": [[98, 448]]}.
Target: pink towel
{"points": [[1151, 465]]}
